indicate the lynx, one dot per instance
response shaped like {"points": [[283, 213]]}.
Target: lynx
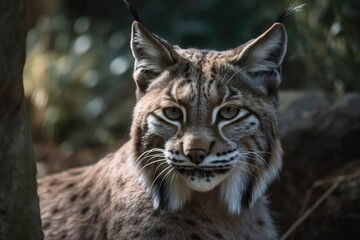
{"points": [[203, 148]]}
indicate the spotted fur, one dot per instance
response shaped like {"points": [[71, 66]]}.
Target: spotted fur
{"points": [[203, 148]]}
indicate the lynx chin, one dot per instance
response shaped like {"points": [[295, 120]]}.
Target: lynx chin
{"points": [[203, 148]]}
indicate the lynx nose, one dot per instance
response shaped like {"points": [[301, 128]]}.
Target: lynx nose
{"points": [[196, 155]]}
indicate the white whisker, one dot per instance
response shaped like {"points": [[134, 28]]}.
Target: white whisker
{"points": [[151, 157], [251, 165], [159, 166], [172, 177], [243, 169], [227, 82], [166, 175], [262, 160], [222, 80], [158, 176], [146, 153], [148, 164]]}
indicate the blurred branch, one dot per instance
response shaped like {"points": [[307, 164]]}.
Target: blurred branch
{"points": [[335, 182]]}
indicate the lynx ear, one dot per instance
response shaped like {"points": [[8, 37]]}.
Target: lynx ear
{"points": [[152, 56], [261, 58]]}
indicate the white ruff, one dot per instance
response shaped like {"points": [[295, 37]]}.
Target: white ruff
{"points": [[177, 193], [232, 190], [269, 175]]}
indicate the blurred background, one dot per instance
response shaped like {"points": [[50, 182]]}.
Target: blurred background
{"points": [[80, 92]]}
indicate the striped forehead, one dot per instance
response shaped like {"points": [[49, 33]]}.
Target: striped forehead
{"points": [[197, 56], [196, 92], [198, 83]]}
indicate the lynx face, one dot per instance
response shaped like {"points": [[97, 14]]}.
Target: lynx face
{"points": [[206, 120]]}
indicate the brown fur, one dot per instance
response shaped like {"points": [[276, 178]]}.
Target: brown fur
{"points": [[141, 192], [105, 201]]}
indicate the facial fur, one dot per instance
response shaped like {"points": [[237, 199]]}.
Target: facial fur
{"points": [[206, 120], [204, 147]]}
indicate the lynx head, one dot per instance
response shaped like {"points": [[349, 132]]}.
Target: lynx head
{"points": [[206, 120]]}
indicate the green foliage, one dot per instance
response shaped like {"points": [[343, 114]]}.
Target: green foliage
{"points": [[330, 45], [78, 77]]}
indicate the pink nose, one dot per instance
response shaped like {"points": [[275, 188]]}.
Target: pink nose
{"points": [[196, 155]]}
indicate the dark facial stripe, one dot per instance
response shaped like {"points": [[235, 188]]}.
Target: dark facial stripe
{"points": [[163, 122], [193, 93], [232, 94], [208, 87], [160, 189], [204, 92], [170, 96], [184, 82], [243, 117], [198, 88], [274, 133], [247, 195], [253, 112], [268, 152], [237, 121], [256, 142], [246, 198]]}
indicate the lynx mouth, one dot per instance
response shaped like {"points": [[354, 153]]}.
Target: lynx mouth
{"points": [[203, 179], [203, 173]]}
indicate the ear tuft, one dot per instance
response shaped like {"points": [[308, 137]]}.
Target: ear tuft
{"points": [[289, 11], [132, 11]]}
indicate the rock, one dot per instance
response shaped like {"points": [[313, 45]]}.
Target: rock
{"points": [[338, 216], [320, 134]]}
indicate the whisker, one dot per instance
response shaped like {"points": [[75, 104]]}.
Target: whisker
{"points": [[159, 166], [149, 151], [158, 177], [172, 177], [252, 150], [166, 175], [251, 165], [257, 153], [262, 160], [146, 153], [222, 80], [147, 161], [148, 164], [227, 82], [250, 173], [154, 156], [243, 169]]}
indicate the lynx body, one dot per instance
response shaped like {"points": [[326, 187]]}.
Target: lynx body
{"points": [[203, 148]]}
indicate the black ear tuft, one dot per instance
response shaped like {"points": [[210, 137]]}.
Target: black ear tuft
{"points": [[289, 11], [133, 11]]}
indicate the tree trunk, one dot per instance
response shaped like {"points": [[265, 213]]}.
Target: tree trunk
{"points": [[19, 204]]}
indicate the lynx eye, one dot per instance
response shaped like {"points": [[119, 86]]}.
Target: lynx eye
{"points": [[173, 113], [228, 112]]}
